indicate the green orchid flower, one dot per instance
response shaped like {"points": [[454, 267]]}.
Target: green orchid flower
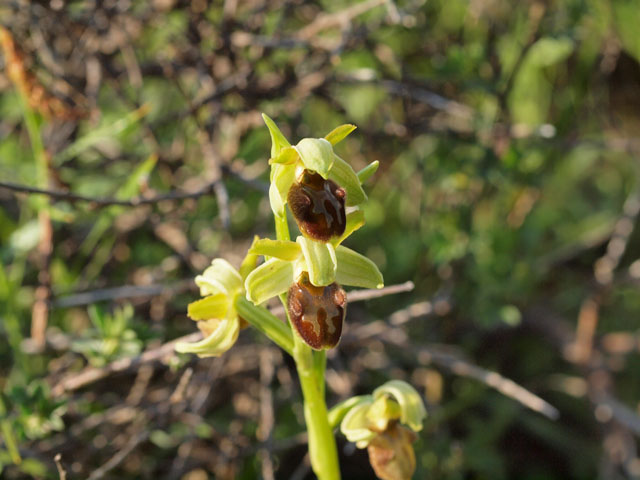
{"points": [[315, 182], [324, 264], [220, 285], [384, 423], [369, 415], [311, 272]]}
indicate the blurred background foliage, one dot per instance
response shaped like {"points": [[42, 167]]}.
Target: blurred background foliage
{"points": [[507, 192]]}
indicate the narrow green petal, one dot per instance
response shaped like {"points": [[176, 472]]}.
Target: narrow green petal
{"points": [[346, 177], [355, 220], [270, 279], [320, 259], [368, 171], [339, 133], [282, 249], [412, 408], [278, 140], [287, 155], [213, 306], [221, 340], [357, 270], [316, 155], [355, 422], [220, 277]]}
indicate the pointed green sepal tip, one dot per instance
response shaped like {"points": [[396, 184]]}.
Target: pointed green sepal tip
{"points": [[278, 140], [367, 172], [356, 270], [222, 334], [339, 133], [412, 410], [316, 155]]}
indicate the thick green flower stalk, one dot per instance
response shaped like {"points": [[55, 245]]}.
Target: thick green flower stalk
{"points": [[323, 194]]}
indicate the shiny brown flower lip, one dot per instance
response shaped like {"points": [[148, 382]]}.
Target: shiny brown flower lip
{"points": [[318, 206], [317, 313]]}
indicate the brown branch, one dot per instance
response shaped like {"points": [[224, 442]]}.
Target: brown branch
{"points": [[102, 202]]}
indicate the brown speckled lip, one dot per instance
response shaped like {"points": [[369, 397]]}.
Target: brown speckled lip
{"points": [[317, 206], [317, 313]]}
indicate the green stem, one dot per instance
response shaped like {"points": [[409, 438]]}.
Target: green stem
{"points": [[322, 444], [264, 321]]}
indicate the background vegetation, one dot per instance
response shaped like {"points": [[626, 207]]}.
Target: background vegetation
{"points": [[507, 192]]}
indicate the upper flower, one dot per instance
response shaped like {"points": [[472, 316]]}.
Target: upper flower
{"points": [[216, 315], [315, 182]]}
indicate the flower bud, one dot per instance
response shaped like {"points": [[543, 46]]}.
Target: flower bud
{"points": [[317, 313], [391, 453], [318, 206]]}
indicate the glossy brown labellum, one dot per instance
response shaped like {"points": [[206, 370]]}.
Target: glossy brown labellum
{"points": [[318, 206], [317, 313]]}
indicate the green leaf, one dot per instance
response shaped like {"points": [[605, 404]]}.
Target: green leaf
{"points": [[100, 134], [270, 279], [278, 140], [346, 177], [320, 259], [282, 249], [357, 270], [368, 171], [412, 408], [339, 133], [220, 277], [316, 155], [213, 306], [355, 220], [221, 340]]}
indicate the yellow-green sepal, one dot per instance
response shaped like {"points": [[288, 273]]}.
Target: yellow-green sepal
{"points": [[278, 140], [356, 270], [213, 306], [320, 259], [282, 249], [220, 277], [316, 154], [342, 173], [339, 133], [355, 424], [412, 410], [215, 344], [272, 278]]}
